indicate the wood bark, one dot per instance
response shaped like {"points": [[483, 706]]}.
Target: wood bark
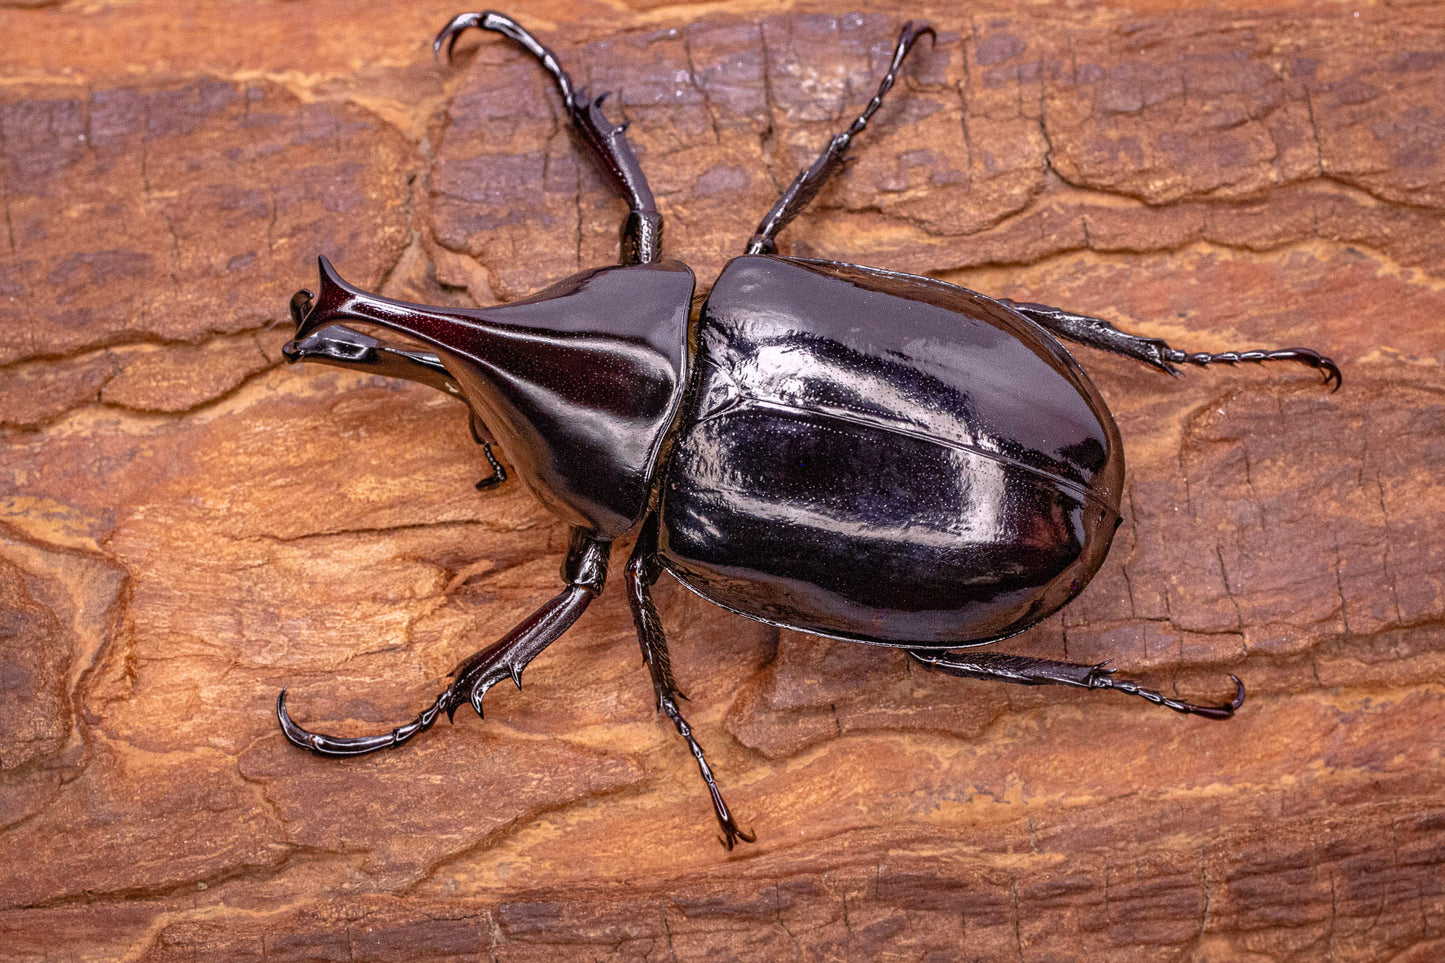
{"points": [[188, 525]]}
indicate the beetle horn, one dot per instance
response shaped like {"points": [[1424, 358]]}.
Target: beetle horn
{"points": [[313, 311]]}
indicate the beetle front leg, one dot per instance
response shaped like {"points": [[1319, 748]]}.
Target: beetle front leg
{"points": [[642, 231], [642, 572], [1155, 352], [1022, 670], [586, 571]]}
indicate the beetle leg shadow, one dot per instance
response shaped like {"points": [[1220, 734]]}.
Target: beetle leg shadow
{"points": [[1022, 670], [1156, 352], [642, 572]]}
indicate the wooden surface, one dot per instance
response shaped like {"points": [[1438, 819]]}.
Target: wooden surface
{"points": [[187, 525]]}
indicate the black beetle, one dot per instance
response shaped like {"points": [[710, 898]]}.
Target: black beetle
{"points": [[851, 452]]}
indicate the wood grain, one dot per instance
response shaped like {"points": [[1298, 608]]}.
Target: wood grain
{"points": [[187, 525]]}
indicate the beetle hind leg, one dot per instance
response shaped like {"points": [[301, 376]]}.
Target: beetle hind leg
{"points": [[1156, 352], [1022, 670], [642, 572]]}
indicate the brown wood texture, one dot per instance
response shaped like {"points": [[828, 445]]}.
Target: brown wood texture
{"points": [[187, 525]]}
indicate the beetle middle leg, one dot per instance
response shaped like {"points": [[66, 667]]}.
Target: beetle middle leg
{"points": [[585, 571], [1023, 670], [642, 573], [811, 180], [1156, 352], [642, 231]]}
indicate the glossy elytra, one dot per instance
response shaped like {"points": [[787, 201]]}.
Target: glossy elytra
{"points": [[851, 452]]}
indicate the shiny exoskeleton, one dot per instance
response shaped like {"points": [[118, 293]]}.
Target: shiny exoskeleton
{"points": [[843, 450]]}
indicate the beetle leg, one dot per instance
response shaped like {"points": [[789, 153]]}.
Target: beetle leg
{"points": [[731, 831], [642, 231], [1155, 352], [811, 180], [586, 571], [1023, 670], [642, 572], [499, 474], [483, 437]]}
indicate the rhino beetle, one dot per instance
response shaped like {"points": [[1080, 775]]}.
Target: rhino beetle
{"points": [[847, 451]]}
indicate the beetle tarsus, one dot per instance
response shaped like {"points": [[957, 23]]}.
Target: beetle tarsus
{"points": [[732, 833], [1156, 352], [341, 747], [642, 572], [1104, 679], [500, 23], [1305, 356], [471, 679], [1023, 670]]}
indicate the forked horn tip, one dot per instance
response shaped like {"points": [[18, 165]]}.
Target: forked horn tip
{"points": [[332, 281]]}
